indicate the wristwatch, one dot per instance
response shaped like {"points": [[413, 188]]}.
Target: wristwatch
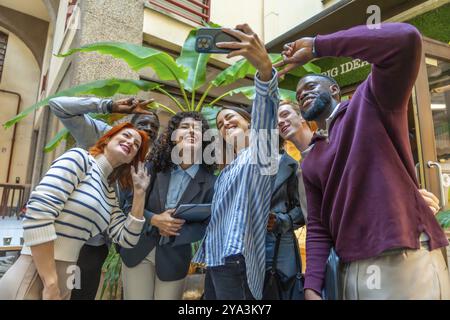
{"points": [[109, 106]]}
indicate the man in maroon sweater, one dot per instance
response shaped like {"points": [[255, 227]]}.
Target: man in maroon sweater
{"points": [[359, 175]]}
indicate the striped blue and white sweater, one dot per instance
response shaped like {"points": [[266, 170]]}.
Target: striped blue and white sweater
{"points": [[72, 203]]}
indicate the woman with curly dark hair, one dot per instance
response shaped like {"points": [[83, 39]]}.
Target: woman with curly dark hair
{"points": [[158, 265], [161, 155]]}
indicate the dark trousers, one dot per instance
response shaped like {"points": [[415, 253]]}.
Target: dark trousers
{"points": [[228, 282], [90, 262]]}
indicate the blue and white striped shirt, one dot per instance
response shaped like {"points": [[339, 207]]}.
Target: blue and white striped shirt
{"points": [[243, 191]]}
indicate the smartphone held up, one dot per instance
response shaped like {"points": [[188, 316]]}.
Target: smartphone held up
{"points": [[207, 39]]}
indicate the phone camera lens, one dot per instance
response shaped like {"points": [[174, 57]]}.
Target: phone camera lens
{"points": [[204, 43]]}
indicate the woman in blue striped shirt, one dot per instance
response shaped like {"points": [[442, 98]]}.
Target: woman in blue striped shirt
{"points": [[74, 202], [234, 245]]}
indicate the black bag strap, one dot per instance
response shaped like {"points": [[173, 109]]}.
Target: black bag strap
{"points": [[298, 259], [275, 254]]}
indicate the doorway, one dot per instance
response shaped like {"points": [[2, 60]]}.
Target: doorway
{"points": [[431, 102]]}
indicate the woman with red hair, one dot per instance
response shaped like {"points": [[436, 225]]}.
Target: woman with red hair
{"points": [[74, 202]]}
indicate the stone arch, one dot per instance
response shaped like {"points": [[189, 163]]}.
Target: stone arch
{"points": [[52, 8], [32, 31], [19, 88]]}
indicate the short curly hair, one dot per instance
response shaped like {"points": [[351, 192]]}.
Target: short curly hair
{"points": [[160, 155]]}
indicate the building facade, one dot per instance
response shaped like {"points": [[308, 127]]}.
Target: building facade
{"points": [[32, 32], [37, 30]]}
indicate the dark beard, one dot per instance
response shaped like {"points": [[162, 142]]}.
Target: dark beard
{"points": [[320, 104]]}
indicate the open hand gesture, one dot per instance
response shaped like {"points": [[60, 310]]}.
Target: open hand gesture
{"points": [[251, 47], [140, 176], [131, 105], [295, 54]]}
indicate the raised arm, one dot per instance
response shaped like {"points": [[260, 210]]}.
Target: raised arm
{"points": [[265, 105], [126, 230], [73, 113], [394, 51]]}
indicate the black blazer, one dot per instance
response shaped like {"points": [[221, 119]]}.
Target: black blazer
{"points": [[285, 202], [173, 259]]}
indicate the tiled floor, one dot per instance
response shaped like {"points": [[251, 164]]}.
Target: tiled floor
{"points": [[10, 228], [6, 263]]}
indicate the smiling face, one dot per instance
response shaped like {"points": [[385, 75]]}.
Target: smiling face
{"points": [[148, 123], [314, 95], [123, 147], [232, 126], [188, 135], [289, 121]]}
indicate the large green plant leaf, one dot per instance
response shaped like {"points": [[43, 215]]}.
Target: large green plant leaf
{"points": [[444, 219], [210, 113], [101, 88], [305, 69], [138, 57], [239, 70], [194, 62], [250, 93], [243, 68], [236, 71], [288, 95], [112, 269], [60, 136]]}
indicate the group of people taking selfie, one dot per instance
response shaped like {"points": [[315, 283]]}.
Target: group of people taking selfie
{"points": [[355, 190]]}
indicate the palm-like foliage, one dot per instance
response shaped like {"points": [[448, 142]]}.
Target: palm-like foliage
{"points": [[101, 88], [444, 219], [188, 71], [112, 269]]}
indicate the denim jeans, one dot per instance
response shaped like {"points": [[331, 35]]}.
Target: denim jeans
{"points": [[229, 281]]}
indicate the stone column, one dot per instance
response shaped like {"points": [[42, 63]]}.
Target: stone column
{"points": [[37, 174], [100, 20], [107, 20]]}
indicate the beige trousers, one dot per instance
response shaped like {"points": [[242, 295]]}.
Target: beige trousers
{"points": [[142, 283], [22, 281], [401, 274]]}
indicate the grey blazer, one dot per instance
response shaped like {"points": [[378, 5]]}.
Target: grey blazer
{"points": [[173, 259], [285, 202]]}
